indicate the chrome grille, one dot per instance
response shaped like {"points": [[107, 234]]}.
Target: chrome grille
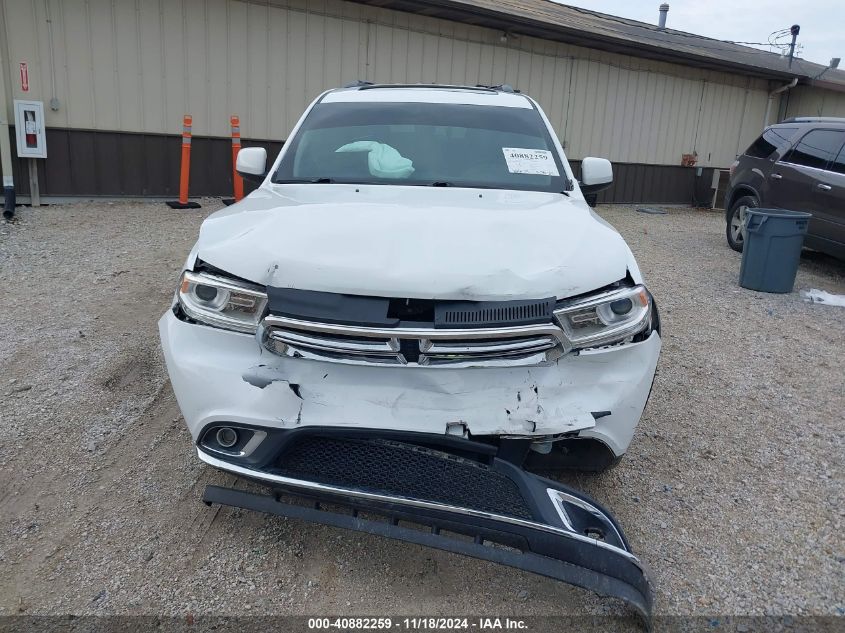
{"points": [[505, 346]]}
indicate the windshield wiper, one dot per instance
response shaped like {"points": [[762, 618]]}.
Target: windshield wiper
{"points": [[310, 181], [441, 183]]}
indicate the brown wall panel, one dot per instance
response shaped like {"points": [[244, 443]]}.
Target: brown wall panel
{"points": [[56, 170], [132, 166], [109, 165], [83, 163], [94, 163], [630, 180], [160, 177], [656, 184]]}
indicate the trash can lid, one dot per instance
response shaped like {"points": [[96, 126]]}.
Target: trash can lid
{"points": [[779, 213]]}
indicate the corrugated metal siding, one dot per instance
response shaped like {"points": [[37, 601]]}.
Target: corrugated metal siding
{"points": [[88, 162], [139, 65], [809, 101]]}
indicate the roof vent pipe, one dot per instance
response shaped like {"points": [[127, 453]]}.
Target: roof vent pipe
{"points": [[664, 9]]}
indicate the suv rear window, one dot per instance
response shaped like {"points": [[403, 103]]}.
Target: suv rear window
{"points": [[816, 148], [772, 139]]}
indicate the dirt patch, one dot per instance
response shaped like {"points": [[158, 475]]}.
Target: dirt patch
{"points": [[732, 490]]}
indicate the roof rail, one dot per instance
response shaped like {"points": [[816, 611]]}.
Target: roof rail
{"points": [[814, 119], [501, 88], [358, 83], [369, 85]]}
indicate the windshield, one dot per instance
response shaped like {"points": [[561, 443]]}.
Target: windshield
{"points": [[424, 144]]}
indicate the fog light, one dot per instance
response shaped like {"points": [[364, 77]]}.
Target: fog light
{"points": [[227, 437]]}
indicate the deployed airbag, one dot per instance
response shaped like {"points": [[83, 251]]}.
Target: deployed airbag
{"points": [[383, 160]]}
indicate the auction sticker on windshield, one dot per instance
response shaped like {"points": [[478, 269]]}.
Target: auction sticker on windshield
{"points": [[530, 161]]}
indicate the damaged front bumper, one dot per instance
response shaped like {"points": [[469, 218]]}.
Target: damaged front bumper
{"points": [[449, 493], [218, 375]]}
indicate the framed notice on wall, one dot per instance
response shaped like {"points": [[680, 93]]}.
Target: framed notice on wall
{"points": [[29, 129]]}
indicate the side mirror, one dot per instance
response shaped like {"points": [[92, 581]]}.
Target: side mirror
{"points": [[252, 163], [596, 174]]}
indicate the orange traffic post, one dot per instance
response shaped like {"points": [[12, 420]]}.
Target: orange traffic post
{"points": [[236, 147], [185, 169]]}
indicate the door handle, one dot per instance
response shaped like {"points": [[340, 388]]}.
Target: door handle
{"points": [[823, 186], [776, 176]]}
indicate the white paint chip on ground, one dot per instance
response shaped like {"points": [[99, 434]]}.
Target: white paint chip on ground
{"points": [[820, 296], [530, 161]]}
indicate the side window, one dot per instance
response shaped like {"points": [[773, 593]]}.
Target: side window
{"points": [[772, 139], [839, 162], [816, 148]]}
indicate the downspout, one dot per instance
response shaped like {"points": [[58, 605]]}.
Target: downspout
{"points": [[772, 94], [54, 101], [5, 145]]}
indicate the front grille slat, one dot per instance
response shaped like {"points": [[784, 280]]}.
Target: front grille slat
{"points": [[501, 347], [533, 344], [371, 347]]}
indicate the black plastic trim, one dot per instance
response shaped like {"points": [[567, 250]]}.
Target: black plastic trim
{"points": [[590, 190], [256, 178], [583, 454], [330, 307], [469, 314], [278, 441], [554, 537], [201, 266], [655, 320], [373, 311], [583, 563]]}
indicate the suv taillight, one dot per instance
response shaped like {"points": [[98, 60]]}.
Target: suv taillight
{"points": [[733, 167]]}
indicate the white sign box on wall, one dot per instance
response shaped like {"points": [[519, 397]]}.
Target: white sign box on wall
{"points": [[29, 129]]}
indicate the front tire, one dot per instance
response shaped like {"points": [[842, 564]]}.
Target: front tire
{"points": [[735, 229]]}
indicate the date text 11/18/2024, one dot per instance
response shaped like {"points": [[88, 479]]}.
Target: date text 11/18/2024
{"points": [[417, 624]]}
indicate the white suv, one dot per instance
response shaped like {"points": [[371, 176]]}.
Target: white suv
{"points": [[415, 300]]}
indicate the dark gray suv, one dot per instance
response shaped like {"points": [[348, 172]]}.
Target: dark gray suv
{"points": [[798, 164]]}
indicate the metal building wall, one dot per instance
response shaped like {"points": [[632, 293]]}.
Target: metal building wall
{"points": [[810, 101], [136, 66]]}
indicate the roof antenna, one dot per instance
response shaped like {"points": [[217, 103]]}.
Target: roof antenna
{"points": [[794, 30]]}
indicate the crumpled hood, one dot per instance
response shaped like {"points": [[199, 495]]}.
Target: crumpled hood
{"points": [[427, 243]]}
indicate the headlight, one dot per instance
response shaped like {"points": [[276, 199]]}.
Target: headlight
{"points": [[604, 319], [221, 302]]}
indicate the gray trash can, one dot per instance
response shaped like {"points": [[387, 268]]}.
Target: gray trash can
{"points": [[772, 249]]}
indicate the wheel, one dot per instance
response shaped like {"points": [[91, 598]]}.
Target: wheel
{"points": [[734, 230]]}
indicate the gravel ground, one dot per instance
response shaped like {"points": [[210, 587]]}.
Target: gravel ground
{"points": [[732, 490]]}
